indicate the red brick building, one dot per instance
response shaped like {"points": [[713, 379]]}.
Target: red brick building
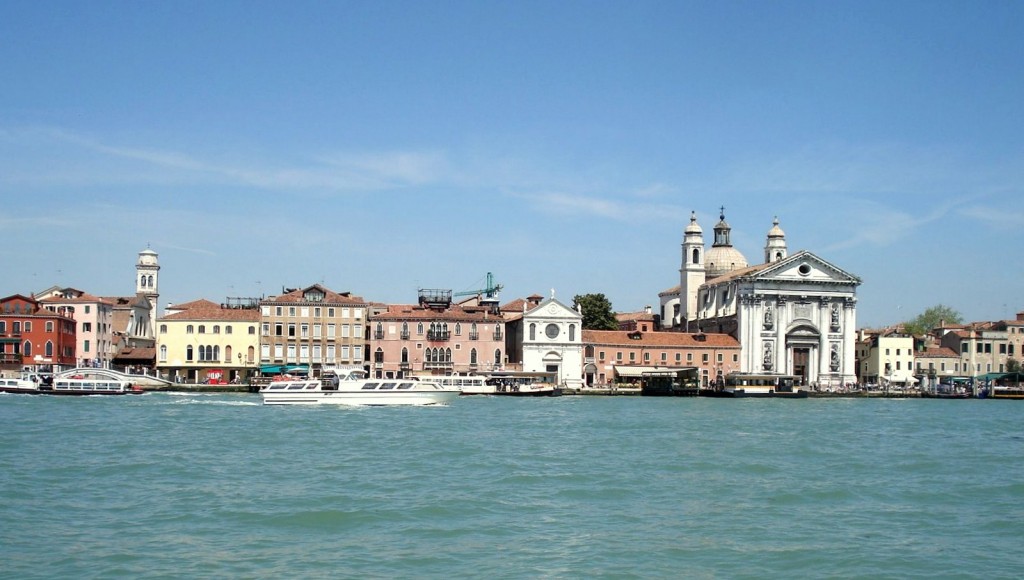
{"points": [[32, 335], [611, 356]]}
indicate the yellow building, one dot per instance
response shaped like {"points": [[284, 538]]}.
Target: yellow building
{"points": [[203, 341]]}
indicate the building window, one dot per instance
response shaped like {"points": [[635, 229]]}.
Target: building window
{"points": [[291, 312], [163, 353], [419, 329], [202, 329], [472, 357], [533, 331], [85, 346], [190, 329], [252, 330], [188, 353], [720, 357], [227, 329], [28, 347], [647, 357], [163, 329], [572, 332], [704, 358], [458, 329]]}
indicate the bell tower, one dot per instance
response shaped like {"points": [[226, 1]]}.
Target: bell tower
{"points": [[775, 246], [691, 273], [147, 283]]}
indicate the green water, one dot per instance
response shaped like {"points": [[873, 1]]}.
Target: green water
{"points": [[219, 486]]}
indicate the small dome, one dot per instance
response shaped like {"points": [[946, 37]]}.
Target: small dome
{"points": [[693, 228], [776, 231]]}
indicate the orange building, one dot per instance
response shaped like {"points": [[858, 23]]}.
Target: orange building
{"points": [[611, 356]]}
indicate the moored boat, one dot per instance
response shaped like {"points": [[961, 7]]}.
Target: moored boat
{"points": [[523, 384], [353, 388], [89, 381], [745, 385]]}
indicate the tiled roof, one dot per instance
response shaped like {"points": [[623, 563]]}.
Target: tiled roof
{"points": [[673, 290], [330, 297], [665, 339], [206, 310], [82, 298], [415, 312], [937, 352]]}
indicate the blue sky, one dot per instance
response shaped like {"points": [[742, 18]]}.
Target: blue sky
{"points": [[380, 147]]}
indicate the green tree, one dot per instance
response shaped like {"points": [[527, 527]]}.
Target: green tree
{"points": [[1012, 365], [931, 318], [597, 311]]}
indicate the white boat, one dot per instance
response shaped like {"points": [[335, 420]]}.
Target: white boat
{"points": [[353, 388], [89, 381], [524, 384], [743, 385], [25, 384], [468, 385]]}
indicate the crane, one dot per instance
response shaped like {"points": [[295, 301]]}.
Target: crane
{"points": [[490, 293]]}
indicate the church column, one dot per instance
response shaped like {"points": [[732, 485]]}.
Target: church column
{"points": [[849, 322]]}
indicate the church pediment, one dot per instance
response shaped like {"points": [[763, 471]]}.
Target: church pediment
{"points": [[552, 309], [806, 267]]}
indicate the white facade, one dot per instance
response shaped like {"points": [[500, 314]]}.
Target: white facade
{"points": [[796, 316], [791, 315], [553, 342]]}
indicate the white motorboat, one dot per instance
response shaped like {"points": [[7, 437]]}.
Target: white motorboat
{"points": [[26, 384], [353, 388]]}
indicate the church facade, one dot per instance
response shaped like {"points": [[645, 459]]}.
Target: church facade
{"points": [[792, 314]]}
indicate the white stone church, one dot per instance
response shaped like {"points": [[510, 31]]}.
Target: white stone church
{"points": [[792, 315]]}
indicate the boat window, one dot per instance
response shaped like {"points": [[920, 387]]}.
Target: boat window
{"points": [[311, 386], [387, 386], [405, 386], [276, 387], [370, 386], [296, 387]]}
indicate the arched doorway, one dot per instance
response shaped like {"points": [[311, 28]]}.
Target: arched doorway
{"points": [[802, 341]]}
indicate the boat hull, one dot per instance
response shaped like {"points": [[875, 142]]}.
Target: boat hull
{"points": [[745, 394], [357, 398]]}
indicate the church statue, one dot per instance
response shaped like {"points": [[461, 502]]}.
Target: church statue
{"points": [[834, 363], [768, 317], [835, 316], [767, 356]]}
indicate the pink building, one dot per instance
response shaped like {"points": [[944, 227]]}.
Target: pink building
{"points": [[436, 337]]}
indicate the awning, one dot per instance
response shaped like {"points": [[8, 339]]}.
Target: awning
{"points": [[638, 371]]}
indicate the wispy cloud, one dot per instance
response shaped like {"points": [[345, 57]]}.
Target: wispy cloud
{"points": [[335, 172], [623, 210]]}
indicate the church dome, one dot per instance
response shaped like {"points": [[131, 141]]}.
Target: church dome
{"points": [[722, 258]]}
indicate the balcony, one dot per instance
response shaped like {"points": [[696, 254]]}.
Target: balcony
{"points": [[404, 366], [378, 334], [405, 335], [430, 366], [474, 336], [498, 335], [438, 334]]}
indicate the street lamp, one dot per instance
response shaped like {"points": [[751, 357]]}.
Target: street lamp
{"points": [[239, 367]]}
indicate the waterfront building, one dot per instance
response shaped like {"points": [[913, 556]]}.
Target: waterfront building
{"points": [[983, 347], [792, 314], [611, 356], [204, 341], [437, 337], [546, 336], [34, 336], [886, 357], [94, 317], [315, 327], [934, 365]]}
